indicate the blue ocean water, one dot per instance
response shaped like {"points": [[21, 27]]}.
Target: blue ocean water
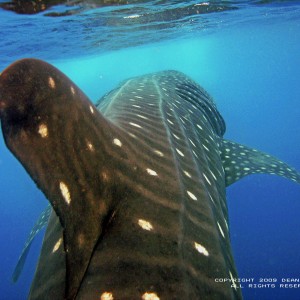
{"points": [[247, 58]]}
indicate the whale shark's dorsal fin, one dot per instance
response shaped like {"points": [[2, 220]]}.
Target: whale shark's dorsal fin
{"points": [[240, 161], [41, 222]]}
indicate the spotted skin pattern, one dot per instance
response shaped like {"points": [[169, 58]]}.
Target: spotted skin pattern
{"points": [[240, 161], [138, 190]]}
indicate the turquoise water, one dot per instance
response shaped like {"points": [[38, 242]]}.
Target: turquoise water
{"points": [[247, 58]]}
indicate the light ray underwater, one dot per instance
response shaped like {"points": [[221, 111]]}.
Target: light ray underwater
{"points": [[137, 183]]}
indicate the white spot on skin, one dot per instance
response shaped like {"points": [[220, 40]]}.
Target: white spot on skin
{"points": [[51, 83], [151, 172], [206, 179], [159, 153], [192, 143], [43, 130], [150, 296], [132, 135], [195, 153], [65, 192], [175, 136], [91, 147], [201, 249], [142, 117], [145, 224], [232, 280], [205, 147], [213, 175], [226, 224], [191, 195], [107, 296], [135, 125], [57, 245], [186, 173], [117, 142], [221, 230], [72, 90], [131, 17], [179, 152], [91, 109]]}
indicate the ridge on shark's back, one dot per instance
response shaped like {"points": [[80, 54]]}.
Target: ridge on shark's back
{"points": [[137, 184]]}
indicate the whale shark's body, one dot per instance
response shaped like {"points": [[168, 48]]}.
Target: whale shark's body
{"points": [[138, 190]]}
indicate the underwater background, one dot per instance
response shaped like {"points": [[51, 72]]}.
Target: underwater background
{"points": [[246, 54]]}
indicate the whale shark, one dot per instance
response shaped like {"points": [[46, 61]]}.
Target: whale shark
{"points": [[136, 182]]}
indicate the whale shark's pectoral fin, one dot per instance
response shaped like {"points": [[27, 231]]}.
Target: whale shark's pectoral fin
{"points": [[240, 161], [65, 144], [38, 226]]}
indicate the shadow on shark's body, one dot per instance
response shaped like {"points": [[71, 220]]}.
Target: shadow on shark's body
{"points": [[138, 190]]}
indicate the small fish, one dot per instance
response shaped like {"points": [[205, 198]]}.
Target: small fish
{"points": [[137, 184]]}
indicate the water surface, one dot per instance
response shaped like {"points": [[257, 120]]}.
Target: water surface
{"points": [[245, 53]]}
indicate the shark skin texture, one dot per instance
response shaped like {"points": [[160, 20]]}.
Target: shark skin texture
{"points": [[137, 184]]}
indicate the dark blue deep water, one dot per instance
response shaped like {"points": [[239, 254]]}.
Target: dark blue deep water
{"points": [[246, 54]]}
